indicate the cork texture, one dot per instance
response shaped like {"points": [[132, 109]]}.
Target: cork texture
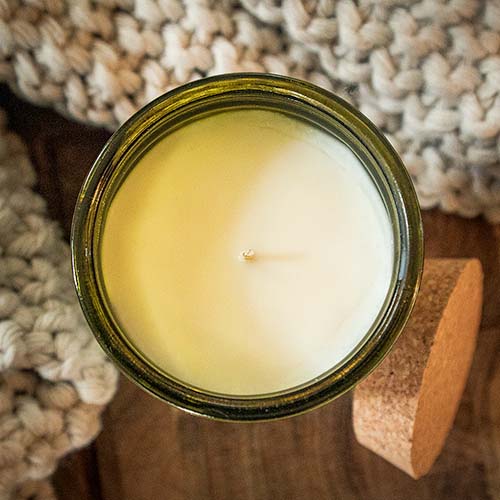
{"points": [[405, 408]]}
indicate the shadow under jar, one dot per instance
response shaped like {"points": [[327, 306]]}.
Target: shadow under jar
{"points": [[247, 247]]}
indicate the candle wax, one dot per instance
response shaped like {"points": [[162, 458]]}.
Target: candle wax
{"points": [[298, 202]]}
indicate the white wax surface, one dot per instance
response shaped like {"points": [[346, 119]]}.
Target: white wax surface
{"points": [[242, 180]]}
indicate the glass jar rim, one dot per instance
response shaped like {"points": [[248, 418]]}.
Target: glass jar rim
{"points": [[191, 102]]}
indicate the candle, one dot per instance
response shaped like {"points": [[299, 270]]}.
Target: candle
{"points": [[247, 247], [247, 252]]}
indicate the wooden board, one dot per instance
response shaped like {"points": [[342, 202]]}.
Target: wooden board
{"points": [[148, 450]]}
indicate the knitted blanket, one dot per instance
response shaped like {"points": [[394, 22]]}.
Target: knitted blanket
{"points": [[426, 72], [54, 379]]}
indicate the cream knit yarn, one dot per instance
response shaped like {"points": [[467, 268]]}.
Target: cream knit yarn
{"points": [[426, 71], [54, 379]]}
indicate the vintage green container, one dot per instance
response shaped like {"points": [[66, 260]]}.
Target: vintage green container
{"points": [[248, 91]]}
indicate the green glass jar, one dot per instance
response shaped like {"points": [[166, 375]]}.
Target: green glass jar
{"points": [[296, 99]]}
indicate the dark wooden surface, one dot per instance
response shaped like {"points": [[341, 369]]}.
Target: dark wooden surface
{"points": [[149, 451]]}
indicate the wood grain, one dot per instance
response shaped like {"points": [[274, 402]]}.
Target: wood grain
{"points": [[149, 450]]}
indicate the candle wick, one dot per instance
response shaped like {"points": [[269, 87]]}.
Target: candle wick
{"points": [[247, 255]]}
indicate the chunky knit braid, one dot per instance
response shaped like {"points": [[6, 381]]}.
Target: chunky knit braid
{"points": [[428, 73], [54, 379]]}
